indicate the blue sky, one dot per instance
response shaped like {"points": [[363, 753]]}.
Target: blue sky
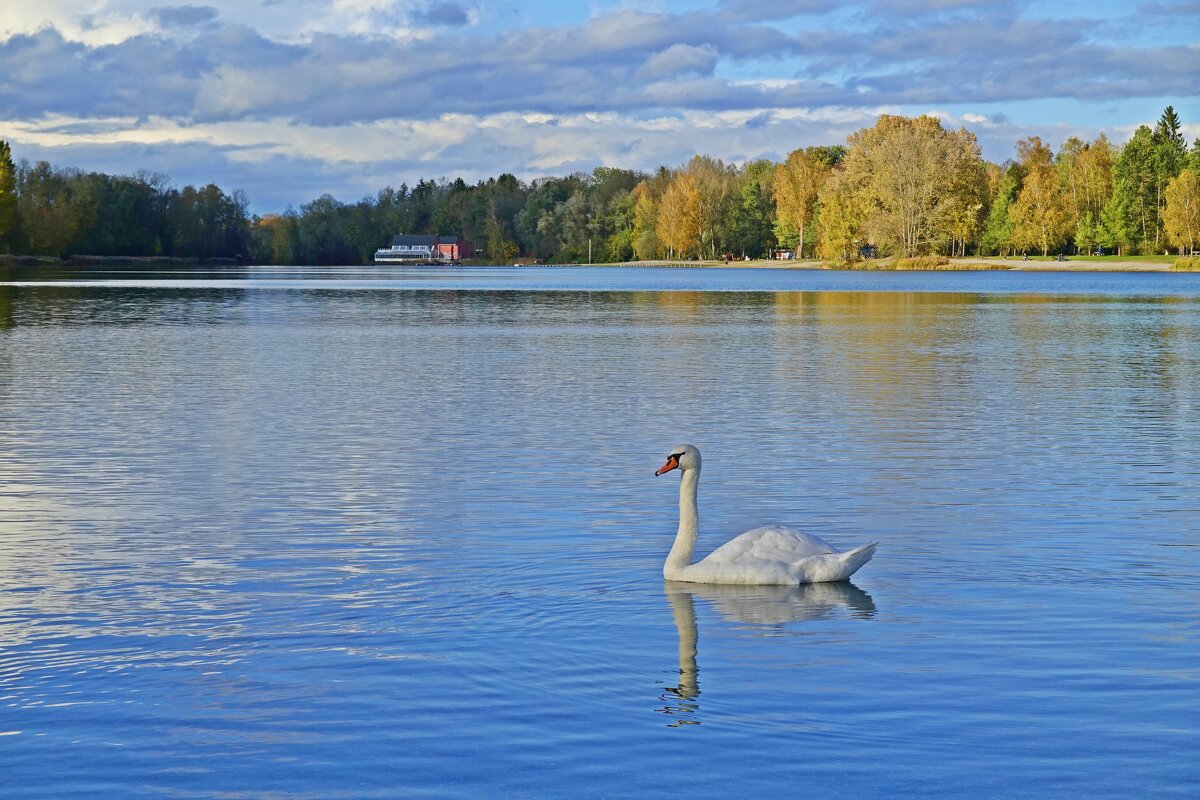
{"points": [[290, 99]]}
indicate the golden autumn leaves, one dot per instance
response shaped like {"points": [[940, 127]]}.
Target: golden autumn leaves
{"points": [[908, 186]]}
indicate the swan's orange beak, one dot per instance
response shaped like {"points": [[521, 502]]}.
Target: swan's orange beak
{"points": [[672, 463]]}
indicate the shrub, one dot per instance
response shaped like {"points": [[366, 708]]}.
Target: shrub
{"points": [[921, 262], [1191, 264]]}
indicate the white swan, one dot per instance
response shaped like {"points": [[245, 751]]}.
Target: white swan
{"points": [[772, 555]]}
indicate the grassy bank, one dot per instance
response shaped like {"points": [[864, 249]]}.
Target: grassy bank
{"points": [[915, 264], [1152, 259]]}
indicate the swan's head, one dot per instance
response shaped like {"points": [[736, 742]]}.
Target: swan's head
{"points": [[682, 457]]}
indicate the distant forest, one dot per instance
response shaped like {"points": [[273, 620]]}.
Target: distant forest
{"points": [[906, 186]]}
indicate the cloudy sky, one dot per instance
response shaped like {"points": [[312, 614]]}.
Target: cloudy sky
{"points": [[288, 99]]}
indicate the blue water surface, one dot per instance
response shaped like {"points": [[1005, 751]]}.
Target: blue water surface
{"points": [[370, 533]]}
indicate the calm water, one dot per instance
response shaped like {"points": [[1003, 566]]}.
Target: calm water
{"points": [[339, 534]]}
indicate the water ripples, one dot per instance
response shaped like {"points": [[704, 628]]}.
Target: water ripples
{"points": [[364, 541]]}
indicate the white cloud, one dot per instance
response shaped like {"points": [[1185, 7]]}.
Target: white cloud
{"points": [[247, 89]]}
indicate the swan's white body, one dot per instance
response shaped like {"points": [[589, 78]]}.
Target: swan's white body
{"points": [[772, 555]]}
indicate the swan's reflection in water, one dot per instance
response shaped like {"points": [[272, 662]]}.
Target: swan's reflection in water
{"points": [[755, 605]]}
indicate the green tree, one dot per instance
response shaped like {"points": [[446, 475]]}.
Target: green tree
{"points": [[998, 230], [537, 225], [8, 197], [1170, 130], [1136, 167], [1117, 228], [616, 227], [1169, 157], [1087, 233], [828, 156], [754, 211], [322, 236]]}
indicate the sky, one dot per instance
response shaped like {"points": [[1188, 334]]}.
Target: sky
{"points": [[291, 99]]}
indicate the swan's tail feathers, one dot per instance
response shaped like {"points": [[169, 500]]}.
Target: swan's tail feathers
{"points": [[831, 567], [853, 559]]}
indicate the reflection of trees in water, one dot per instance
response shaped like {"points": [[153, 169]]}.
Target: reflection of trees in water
{"points": [[7, 301], [755, 605], [92, 306]]}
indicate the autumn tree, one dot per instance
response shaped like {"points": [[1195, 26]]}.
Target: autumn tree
{"points": [[840, 219], [964, 204], [645, 217], [1181, 217], [903, 169], [51, 208], [1033, 153], [1092, 177], [715, 181], [1040, 217], [276, 238], [797, 182], [1065, 162], [679, 217]]}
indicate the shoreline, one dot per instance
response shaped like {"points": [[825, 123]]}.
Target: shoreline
{"points": [[969, 264]]}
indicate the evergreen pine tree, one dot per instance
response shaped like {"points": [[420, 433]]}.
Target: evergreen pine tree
{"points": [[1170, 129]]}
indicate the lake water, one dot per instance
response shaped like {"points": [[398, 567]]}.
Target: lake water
{"points": [[395, 533]]}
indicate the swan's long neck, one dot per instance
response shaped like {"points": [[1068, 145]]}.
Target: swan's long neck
{"points": [[689, 523]]}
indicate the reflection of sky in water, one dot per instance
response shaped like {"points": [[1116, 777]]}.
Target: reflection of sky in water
{"points": [[255, 540]]}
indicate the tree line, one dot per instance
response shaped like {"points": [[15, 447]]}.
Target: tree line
{"points": [[906, 187]]}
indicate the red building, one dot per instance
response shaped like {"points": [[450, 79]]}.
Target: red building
{"points": [[454, 248]]}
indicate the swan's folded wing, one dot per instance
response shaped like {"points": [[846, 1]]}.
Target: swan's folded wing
{"points": [[770, 543]]}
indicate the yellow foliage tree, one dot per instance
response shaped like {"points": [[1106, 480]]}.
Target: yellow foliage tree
{"points": [[840, 218], [679, 217], [645, 216], [1033, 153], [715, 181], [1085, 172], [797, 183], [1182, 214], [1040, 217], [904, 171]]}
